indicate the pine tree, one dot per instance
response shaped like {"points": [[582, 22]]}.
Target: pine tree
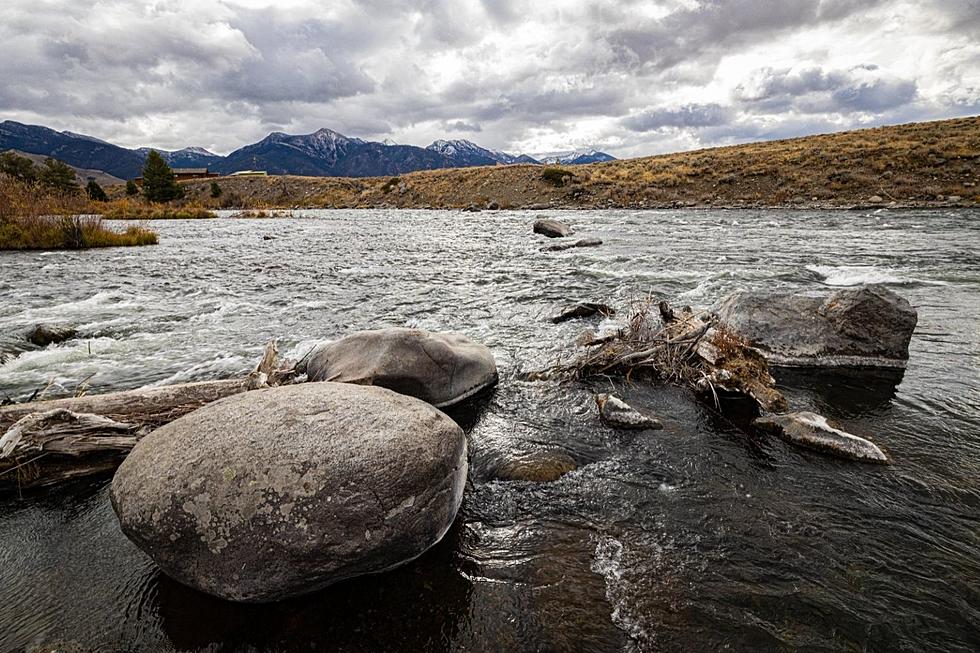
{"points": [[19, 167], [159, 183], [95, 192], [132, 188], [58, 176], [215, 190]]}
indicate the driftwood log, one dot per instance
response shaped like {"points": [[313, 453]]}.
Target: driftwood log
{"points": [[683, 347], [48, 442]]}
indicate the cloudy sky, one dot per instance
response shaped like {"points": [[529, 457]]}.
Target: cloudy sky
{"points": [[631, 78]]}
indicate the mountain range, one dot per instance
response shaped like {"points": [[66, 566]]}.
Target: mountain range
{"points": [[324, 153]]}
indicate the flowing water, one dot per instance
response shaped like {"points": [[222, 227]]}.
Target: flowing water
{"points": [[698, 537]]}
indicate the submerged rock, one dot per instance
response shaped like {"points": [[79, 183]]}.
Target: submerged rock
{"points": [[582, 309], [537, 467], [870, 326], [440, 368], [43, 335], [619, 414], [552, 228], [585, 242], [282, 491], [815, 432]]}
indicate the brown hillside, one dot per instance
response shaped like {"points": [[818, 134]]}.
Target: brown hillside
{"points": [[919, 164]]}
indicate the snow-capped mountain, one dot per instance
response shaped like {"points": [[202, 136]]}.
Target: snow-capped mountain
{"points": [[188, 157], [472, 153], [574, 157]]}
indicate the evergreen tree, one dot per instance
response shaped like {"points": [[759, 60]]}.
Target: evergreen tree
{"points": [[19, 167], [132, 188], [58, 176], [215, 190], [159, 183], [95, 192]]}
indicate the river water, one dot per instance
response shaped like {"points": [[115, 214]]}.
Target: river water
{"points": [[694, 538]]}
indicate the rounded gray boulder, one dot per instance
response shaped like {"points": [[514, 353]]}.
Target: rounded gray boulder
{"points": [[867, 326], [439, 368], [551, 228], [282, 491]]}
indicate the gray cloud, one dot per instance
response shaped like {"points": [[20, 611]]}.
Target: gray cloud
{"points": [[690, 115], [814, 90], [461, 126]]}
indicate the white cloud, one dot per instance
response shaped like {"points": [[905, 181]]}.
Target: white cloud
{"points": [[631, 77]]}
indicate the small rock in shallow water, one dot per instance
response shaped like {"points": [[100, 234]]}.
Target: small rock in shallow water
{"points": [[585, 242], [582, 309], [43, 335], [616, 412], [815, 432], [538, 467], [552, 228]]}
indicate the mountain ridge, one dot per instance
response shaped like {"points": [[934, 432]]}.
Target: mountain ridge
{"points": [[323, 153]]}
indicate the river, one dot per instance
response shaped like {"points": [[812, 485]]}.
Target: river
{"points": [[697, 537]]}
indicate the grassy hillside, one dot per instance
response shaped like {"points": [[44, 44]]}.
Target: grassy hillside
{"points": [[920, 164]]}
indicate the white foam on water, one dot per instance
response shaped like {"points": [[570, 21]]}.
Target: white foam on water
{"points": [[607, 561], [215, 368], [853, 275]]}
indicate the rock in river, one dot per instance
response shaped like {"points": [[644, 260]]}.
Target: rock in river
{"points": [[552, 228], [282, 491], [815, 432], [619, 414], [536, 467], [582, 309], [440, 368], [585, 242], [43, 335], [870, 326]]}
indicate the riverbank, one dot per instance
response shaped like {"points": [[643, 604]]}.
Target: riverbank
{"points": [[34, 218], [919, 165]]}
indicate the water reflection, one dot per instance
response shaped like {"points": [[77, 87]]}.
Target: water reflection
{"points": [[416, 607]]}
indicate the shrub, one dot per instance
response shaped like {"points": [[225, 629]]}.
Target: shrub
{"points": [[390, 185], [95, 192], [132, 188], [130, 210], [215, 190], [557, 176]]}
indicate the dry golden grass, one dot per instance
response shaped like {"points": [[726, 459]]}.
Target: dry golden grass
{"points": [[920, 164], [128, 209], [31, 218]]}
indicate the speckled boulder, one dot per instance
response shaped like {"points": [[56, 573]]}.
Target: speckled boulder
{"points": [[440, 368], [278, 492]]}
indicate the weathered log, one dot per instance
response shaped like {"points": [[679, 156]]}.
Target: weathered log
{"points": [[47, 442], [152, 406]]}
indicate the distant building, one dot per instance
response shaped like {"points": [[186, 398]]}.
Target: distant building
{"points": [[184, 174], [249, 173]]}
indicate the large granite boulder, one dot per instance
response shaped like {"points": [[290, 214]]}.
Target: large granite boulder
{"points": [[869, 326], [282, 491], [440, 368]]}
